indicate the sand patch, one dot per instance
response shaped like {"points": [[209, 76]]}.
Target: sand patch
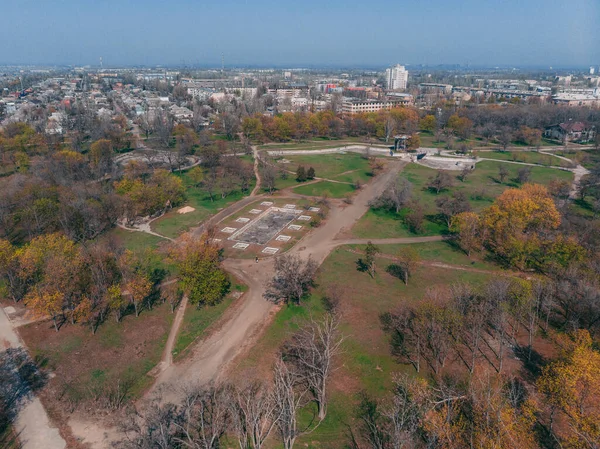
{"points": [[186, 210]]}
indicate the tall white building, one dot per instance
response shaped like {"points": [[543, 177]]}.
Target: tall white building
{"points": [[396, 77], [592, 70]]}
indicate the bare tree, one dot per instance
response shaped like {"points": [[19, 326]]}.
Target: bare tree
{"points": [[395, 196], [205, 417], [253, 414], [523, 175], [155, 427], [289, 399], [503, 172], [312, 351], [293, 277], [441, 181]]}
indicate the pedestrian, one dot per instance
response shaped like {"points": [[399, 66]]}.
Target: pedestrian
{"points": [[256, 259]]}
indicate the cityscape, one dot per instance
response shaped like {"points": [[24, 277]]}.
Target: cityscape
{"points": [[328, 226]]}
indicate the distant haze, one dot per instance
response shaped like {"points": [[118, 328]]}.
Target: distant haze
{"points": [[305, 32]]}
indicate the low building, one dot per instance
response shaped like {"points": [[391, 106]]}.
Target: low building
{"points": [[572, 99], [352, 106], [571, 131]]}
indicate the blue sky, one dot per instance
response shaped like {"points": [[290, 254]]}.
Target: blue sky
{"points": [[302, 32]]}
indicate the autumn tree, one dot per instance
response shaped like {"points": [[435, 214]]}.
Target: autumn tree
{"points": [[572, 388], [200, 274], [407, 262], [428, 123], [468, 230]]}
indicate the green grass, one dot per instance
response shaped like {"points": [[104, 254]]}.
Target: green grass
{"points": [[481, 187], [366, 363], [340, 167], [197, 320], [173, 224], [332, 189], [443, 251], [532, 157], [134, 240]]}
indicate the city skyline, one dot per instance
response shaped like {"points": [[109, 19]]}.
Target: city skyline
{"points": [[540, 34]]}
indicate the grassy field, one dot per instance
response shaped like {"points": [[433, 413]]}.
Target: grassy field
{"points": [[87, 365], [331, 189], [197, 320], [444, 252], [173, 224], [348, 167], [481, 187], [532, 157], [134, 240], [366, 363]]}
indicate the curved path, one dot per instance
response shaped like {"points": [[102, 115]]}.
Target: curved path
{"points": [[32, 424]]}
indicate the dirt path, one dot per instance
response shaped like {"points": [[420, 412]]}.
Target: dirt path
{"points": [[256, 188], [209, 358], [32, 424], [167, 358]]}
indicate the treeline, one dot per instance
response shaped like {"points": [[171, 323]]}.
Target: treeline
{"points": [[303, 125], [85, 284]]}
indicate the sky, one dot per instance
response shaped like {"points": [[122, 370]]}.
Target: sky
{"points": [[559, 33]]}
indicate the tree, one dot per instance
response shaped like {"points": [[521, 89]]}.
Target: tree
{"points": [[441, 181], [408, 261], [253, 414], [268, 177], [572, 387], [310, 174], [396, 195], [464, 173], [289, 400], [468, 231], [428, 123], [415, 217], [139, 288], [292, 280], [196, 175], [503, 172], [505, 137], [312, 351], [451, 206], [517, 221], [301, 173], [205, 416], [371, 252], [523, 175], [200, 274]]}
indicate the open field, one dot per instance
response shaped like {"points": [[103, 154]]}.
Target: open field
{"points": [[88, 367], [366, 364], [321, 188], [348, 167], [531, 157], [481, 187]]}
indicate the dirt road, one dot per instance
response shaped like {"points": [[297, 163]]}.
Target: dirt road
{"points": [[210, 357], [32, 424]]}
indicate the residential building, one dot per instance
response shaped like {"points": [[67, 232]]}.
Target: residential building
{"points": [[396, 77], [574, 99], [571, 131], [355, 106]]}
